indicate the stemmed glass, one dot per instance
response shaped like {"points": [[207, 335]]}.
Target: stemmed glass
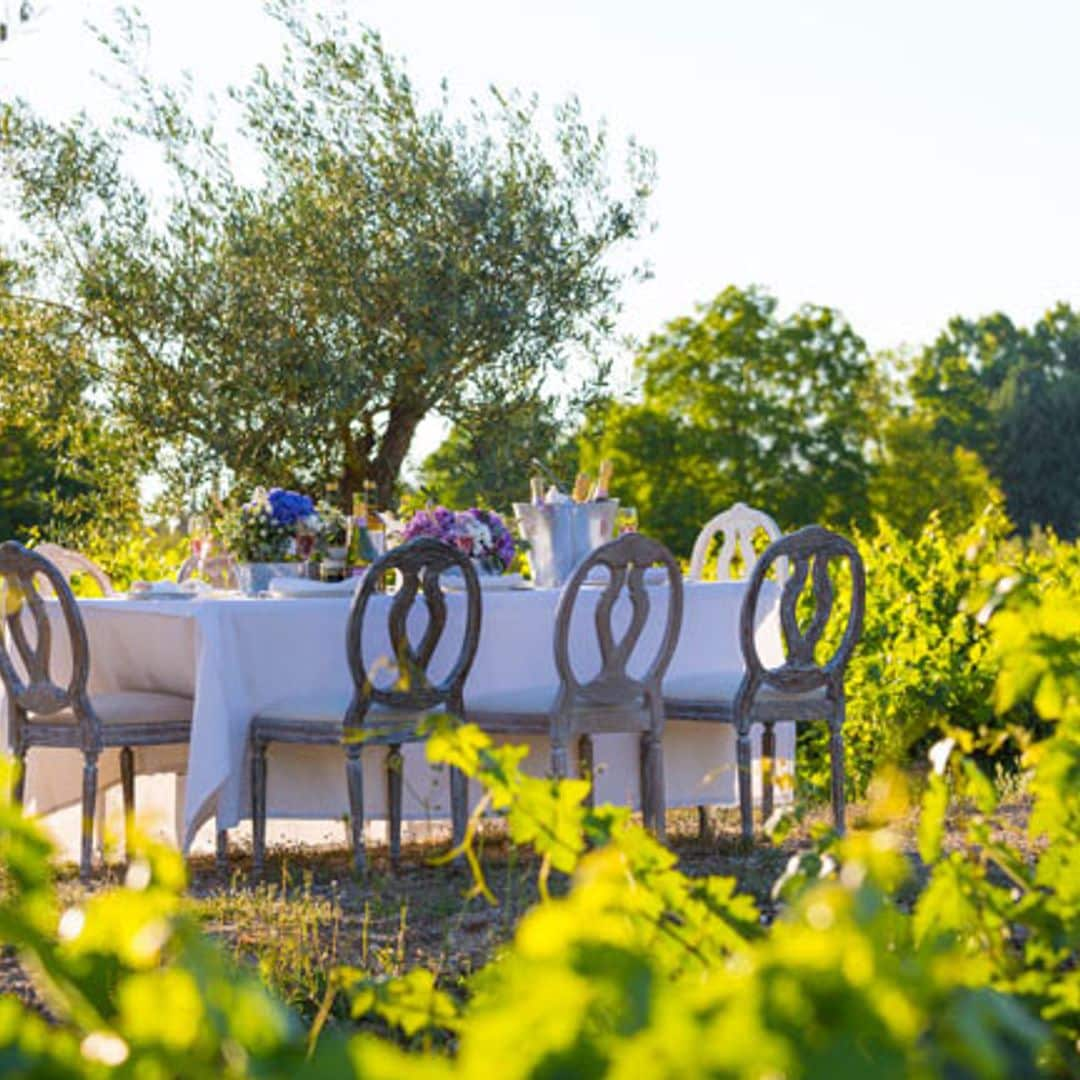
{"points": [[202, 541], [199, 532]]}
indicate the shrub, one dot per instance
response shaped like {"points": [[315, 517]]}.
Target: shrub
{"points": [[923, 665]]}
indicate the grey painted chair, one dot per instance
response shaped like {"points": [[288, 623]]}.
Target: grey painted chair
{"points": [[375, 716], [614, 700], [800, 689], [43, 714], [70, 562]]}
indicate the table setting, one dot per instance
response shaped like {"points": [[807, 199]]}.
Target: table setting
{"points": [[237, 651]]}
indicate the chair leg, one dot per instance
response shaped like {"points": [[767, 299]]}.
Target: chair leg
{"points": [[586, 767], [768, 770], [395, 768], [354, 775], [18, 787], [221, 856], [258, 806], [746, 790], [89, 804], [459, 805], [836, 760], [560, 765], [652, 789], [127, 784]]}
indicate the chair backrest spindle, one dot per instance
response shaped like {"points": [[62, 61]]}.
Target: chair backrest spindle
{"points": [[810, 552], [626, 560], [421, 564], [32, 689]]}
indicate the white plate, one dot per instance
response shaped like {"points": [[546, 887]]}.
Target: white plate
{"points": [[489, 582], [161, 594]]}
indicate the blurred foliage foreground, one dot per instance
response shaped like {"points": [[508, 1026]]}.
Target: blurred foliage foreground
{"points": [[636, 966]]}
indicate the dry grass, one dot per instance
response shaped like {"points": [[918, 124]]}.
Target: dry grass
{"points": [[310, 915]]}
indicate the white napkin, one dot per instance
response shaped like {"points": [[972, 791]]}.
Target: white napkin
{"points": [[296, 586], [167, 587]]}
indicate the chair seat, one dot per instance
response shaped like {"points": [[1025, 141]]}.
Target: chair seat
{"points": [[711, 696], [320, 718], [126, 708], [533, 701], [528, 710]]}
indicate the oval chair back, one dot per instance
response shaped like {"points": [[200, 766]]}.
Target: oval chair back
{"points": [[626, 559], [421, 564], [737, 524], [32, 691], [810, 552], [70, 562]]}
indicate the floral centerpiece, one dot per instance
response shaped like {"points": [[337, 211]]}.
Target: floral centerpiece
{"points": [[332, 532], [272, 528], [482, 535]]}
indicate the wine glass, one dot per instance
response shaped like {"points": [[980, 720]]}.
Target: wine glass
{"points": [[626, 520], [199, 533]]}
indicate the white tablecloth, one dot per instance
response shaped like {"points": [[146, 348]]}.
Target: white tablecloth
{"points": [[238, 656]]}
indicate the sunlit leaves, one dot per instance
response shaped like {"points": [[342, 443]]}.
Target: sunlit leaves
{"points": [[380, 258]]}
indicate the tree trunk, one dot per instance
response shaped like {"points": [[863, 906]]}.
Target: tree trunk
{"points": [[395, 444], [382, 470]]}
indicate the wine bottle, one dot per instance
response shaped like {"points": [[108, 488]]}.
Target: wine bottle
{"points": [[376, 527], [361, 550], [581, 487]]}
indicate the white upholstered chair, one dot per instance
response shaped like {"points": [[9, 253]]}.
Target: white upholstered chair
{"points": [[70, 563], [737, 526]]}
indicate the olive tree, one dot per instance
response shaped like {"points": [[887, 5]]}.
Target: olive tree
{"points": [[384, 260]]}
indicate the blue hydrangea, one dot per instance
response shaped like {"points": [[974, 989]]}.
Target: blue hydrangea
{"points": [[289, 507]]}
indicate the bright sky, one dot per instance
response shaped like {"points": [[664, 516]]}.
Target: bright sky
{"points": [[903, 162]]}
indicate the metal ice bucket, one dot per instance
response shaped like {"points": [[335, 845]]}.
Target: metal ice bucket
{"points": [[560, 535]]}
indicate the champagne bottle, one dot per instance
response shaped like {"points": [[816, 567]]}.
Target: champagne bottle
{"points": [[602, 487], [581, 487], [361, 550]]}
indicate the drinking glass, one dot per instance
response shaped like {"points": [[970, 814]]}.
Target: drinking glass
{"points": [[199, 533], [626, 520]]}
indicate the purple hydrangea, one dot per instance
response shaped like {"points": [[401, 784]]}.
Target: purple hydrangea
{"points": [[480, 534]]}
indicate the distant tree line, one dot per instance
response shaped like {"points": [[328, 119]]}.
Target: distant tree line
{"points": [[389, 263]]}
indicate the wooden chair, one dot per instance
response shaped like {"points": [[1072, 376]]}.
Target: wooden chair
{"points": [[800, 689], [737, 524], [70, 562], [44, 714], [612, 701], [388, 717], [218, 570]]}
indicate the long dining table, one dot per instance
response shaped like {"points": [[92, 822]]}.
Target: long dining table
{"points": [[236, 656]]}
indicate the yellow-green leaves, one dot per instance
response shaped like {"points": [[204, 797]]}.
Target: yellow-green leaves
{"points": [[411, 1002]]}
